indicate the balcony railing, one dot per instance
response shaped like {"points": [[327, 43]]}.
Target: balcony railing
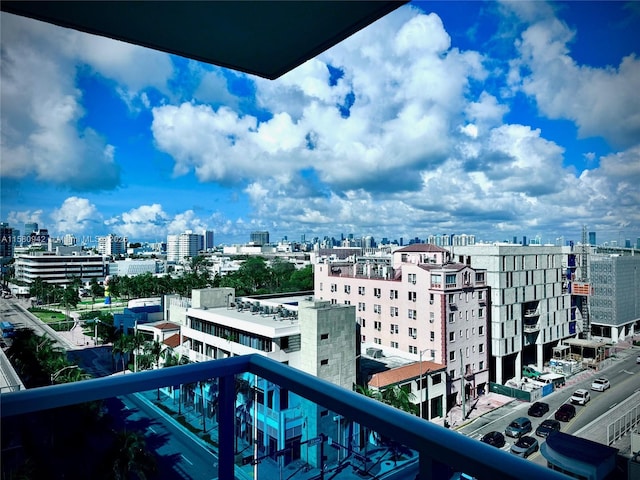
{"points": [[531, 327], [440, 451]]}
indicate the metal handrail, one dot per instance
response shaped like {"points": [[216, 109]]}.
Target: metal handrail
{"points": [[441, 451]]}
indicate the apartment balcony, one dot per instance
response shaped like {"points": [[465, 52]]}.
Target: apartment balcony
{"points": [[531, 313], [531, 327], [423, 449]]}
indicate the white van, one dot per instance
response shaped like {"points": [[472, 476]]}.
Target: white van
{"points": [[555, 378]]}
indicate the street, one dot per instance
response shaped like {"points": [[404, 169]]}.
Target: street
{"points": [[624, 375]]}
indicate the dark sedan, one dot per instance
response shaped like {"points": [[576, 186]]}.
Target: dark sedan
{"points": [[565, 413], [495, 439], [547, 427], [538, 409]]}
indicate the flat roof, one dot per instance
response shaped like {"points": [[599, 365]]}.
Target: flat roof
{"points": [[266, 325], [583, 342]]}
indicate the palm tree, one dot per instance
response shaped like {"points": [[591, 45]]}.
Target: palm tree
{"points": [[122, 346], [130, 458], [154, 349]]}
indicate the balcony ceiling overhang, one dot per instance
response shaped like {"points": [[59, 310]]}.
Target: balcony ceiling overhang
{"points": [[264, 38]]}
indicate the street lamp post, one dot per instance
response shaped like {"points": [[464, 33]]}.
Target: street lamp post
{"points": [[57, 374], [420, 386]]}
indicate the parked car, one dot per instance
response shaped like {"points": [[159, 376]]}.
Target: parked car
{"points": [[518, 427], [581, 396], [530, 372], [525, 446], [495, 439], [538, 409], [600, 384], [638, 359], [565, 413], [547, 427]]}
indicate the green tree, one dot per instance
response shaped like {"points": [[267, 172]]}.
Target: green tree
{"points": [[97, 290], [281, 272], [302, 279], [154, 349], [130, 458], [122, 347]]}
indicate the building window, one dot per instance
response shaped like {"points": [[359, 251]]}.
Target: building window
{"points": [[481, 312], [394, 344], [361, 306], [450, 280], [436, 379], [481, 347], [481, 330], [480, 294], [413, 314], [334, 301], [412, 296], [347, 289], [393, 311], [320, 286], [432, 336], [413, 332], [377, 325], [479, 277], [481, 365], [364, 338], [377, 341], [413, 349], [432, 317], [393, 294], [360, 290], [412, 278], [347, 302], [452, 374], [394, 328], [377, 293], [324, 361], [324, 336], [452, 299], [452, 336], [452, 355], [334, 287], [377, 308], [431, 299], [436, 281], [452, 318]]}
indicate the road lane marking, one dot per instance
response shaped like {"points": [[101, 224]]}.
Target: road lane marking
{"points": [[186, 459]]}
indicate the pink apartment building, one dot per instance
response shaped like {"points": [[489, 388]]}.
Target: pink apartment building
{"points": [[416, 300]]}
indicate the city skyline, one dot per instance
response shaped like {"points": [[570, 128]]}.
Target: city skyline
{"points": [[491, 119]]}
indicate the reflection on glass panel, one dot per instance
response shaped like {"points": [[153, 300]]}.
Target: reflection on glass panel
{"points": [[297, 438]]}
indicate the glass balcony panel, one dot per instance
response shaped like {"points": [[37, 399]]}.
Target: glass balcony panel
{"points": [[197, 422]]}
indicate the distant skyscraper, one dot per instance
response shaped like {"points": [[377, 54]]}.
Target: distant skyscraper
{"points": [[30, 228], [524, 240], [6, 240], [69, 240], [638, 242], [112, 245], [260, 238], [207, 240], [627, 243], [515, 240], [592, 238]]}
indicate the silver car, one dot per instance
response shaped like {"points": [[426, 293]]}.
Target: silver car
{"points": [[525, 446]]}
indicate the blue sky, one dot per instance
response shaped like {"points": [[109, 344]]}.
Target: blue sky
{"points": [[494, 119]]}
